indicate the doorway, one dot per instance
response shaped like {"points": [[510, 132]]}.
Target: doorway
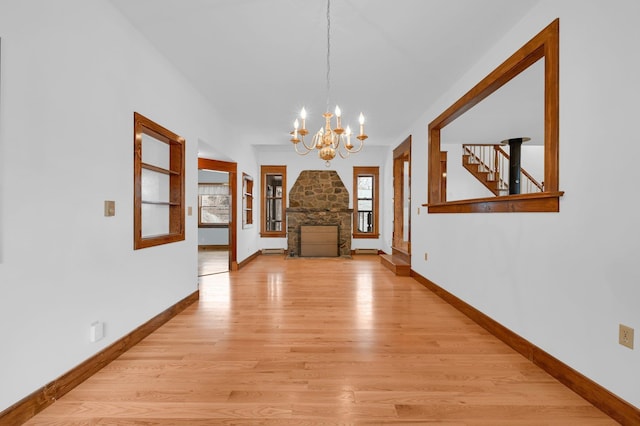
{"points": [[214, 210], [208, 259], [401, 245]]}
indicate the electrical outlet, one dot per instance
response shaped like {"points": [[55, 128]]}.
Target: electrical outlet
{"points": [[625, 337], [96, 331], [426, 257]]}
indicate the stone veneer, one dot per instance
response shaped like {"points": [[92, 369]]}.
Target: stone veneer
{"points": [[319, 198]]}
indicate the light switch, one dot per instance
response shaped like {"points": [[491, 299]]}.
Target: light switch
{"points": [[109, 208], [189, 211]]}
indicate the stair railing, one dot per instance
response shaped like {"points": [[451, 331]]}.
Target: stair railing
{"points": [[530, 184], [495, 161]]}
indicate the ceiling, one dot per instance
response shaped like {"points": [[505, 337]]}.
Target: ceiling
{"points": [[260, 61]]}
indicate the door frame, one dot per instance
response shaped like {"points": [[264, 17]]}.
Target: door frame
{"points": [[401, 154], [232, 169]]}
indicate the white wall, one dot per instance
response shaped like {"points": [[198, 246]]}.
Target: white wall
{"points": [[370, 156], [72, 74], [564, 281], [213, 236]]}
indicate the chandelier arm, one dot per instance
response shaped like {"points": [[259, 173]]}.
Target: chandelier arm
{"points": [[308, 150], [346, 153], [353, 151], [341, 149]]}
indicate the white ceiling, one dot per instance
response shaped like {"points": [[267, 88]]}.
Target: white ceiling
{"points": [[260, 61]]}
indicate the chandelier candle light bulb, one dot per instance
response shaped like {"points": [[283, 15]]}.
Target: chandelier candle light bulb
{"points": [[338, 129], [303, 117]]}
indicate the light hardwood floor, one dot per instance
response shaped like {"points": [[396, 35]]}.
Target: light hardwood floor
{"points": [[212, 262], [320, 341]]}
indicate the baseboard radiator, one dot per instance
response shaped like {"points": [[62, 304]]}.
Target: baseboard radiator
{"points": [[272, 251], [366, 251]]}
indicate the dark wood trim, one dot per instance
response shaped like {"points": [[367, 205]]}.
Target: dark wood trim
{"points": [[31, 405], [534, 202], [247, 200], [612, 405], [143, 125], [232, 169], [443, 172], [373, 171], [401, 153], [544, 45], [362, 236], [248, 260], [213, 247], [272, 170], [404, 147]]}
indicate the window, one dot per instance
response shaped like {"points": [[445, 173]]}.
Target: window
{"points": [[213, 204], [365, 202], [273, 195], [158, 184], [247, 200]]}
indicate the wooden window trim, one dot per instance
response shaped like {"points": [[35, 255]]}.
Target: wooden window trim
{"points": [[264, 172], [544, 45], [213, 225], [375, 173], [176, 172], [247, 198]]}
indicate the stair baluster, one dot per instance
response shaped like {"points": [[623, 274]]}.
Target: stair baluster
{"points": [[490, 168]]}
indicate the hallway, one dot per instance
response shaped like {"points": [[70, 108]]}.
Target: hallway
{"points": [[212, 262], [320, 341]]}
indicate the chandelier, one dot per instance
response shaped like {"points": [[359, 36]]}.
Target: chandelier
{"points": [[327, 141]]}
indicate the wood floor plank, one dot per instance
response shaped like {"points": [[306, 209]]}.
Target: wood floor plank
{"points": [[314, 342]]}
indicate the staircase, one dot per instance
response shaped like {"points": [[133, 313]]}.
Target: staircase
{"points": [[490, 165]]}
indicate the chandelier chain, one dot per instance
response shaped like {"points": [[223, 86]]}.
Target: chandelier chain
{"points": [[328, 52], [327, 141]]}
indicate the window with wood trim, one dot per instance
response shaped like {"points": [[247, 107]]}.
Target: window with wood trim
{"points": [[273, 197], [365, 202], [214, 205], [247, 201], [158, 184]]}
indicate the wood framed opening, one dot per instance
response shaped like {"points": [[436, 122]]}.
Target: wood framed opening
{"points": [[158, 180], [231, 168], [402, 199], [544, 45]]}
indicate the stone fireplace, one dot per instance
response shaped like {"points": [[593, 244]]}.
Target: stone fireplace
{"points": [[319, 198]]}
